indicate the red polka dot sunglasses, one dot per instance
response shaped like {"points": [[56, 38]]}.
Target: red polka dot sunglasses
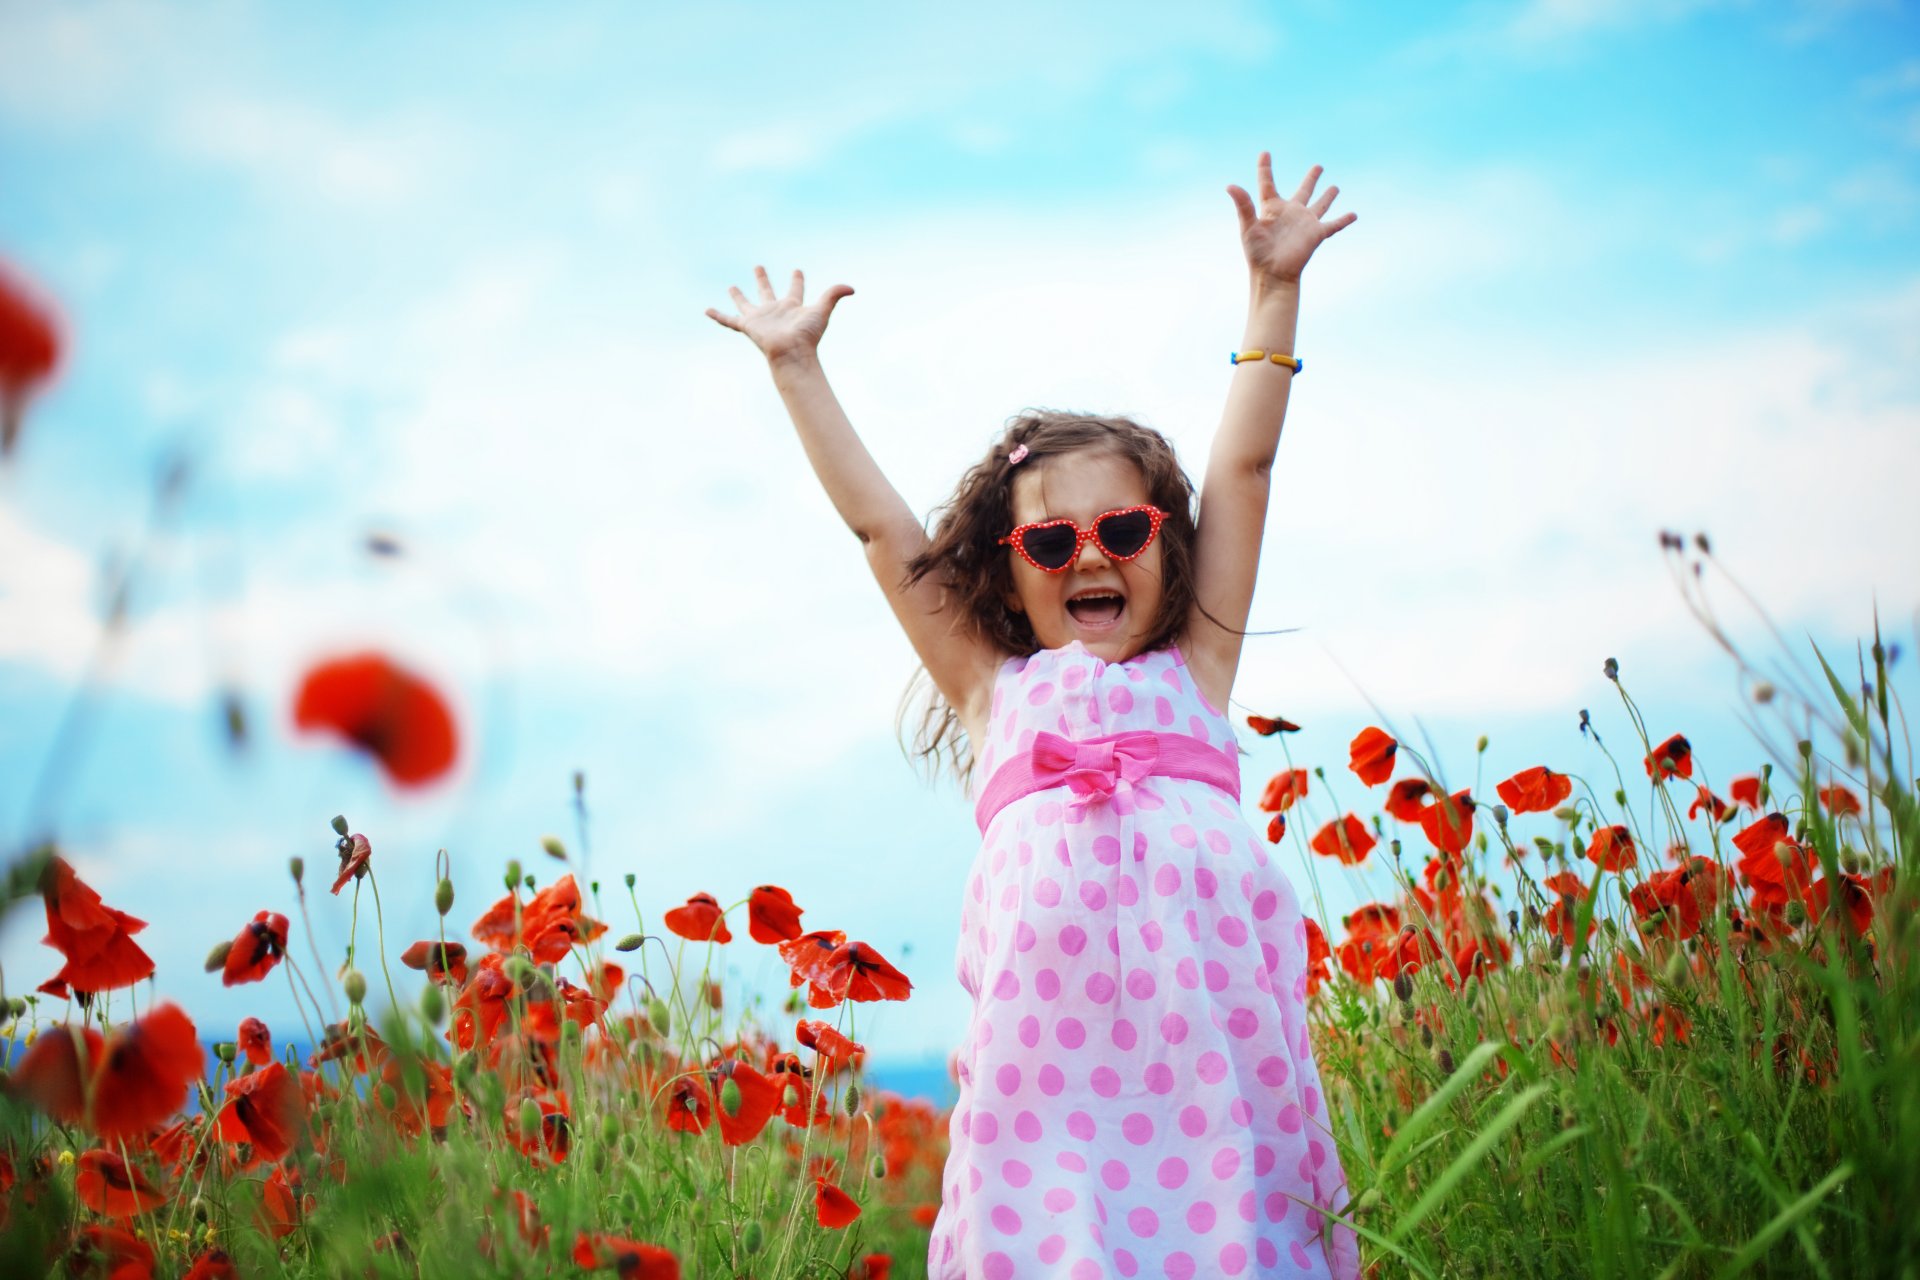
{"points": [[1051, 545]]}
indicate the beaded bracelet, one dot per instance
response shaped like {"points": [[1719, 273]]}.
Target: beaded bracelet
{"points": [[1297, 365]]}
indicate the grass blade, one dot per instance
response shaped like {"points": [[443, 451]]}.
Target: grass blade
{"points": [[1470, 1158], [1782, 1222]]}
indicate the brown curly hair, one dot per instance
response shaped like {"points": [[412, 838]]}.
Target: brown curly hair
{"points": [[966, 556]]}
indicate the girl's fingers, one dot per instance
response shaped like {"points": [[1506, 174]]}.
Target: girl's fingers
{"points": [[1267, 190], [798, 290], [1325, 202], [828, 300], [1243, 205], [724, 319], [1305, 193], [766, 285], [739, 298], [1340, 223]]}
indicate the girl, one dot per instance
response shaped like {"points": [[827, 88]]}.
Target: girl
{"points": [[1138, 1095]]}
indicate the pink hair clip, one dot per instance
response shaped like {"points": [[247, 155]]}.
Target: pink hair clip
{"points": [[1019, 452]]}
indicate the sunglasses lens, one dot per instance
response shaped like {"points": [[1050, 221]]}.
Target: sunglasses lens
{"points": [[1126, 535], [1051, 548]]}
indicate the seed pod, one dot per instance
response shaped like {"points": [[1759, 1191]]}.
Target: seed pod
{"points": [[1403, 987], [529, 1119], [660, 1016], [1796, 913], [1763, 692], [298, 866], [217, 958], [339, 824], [609, 1128], [630, 943], [1611, 669], [790, 1097], [730, 1098], [553, 848], [519, 969], [433, 1005], [879, 1166], [513, 874], [355, 985], [1446, 1063], [853, 1098], [1480, 747], [1369, 1201], [443, 897], [754, 1237], [224, 1051], [629, 879]]}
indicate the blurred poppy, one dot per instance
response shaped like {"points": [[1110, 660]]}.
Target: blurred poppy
{"points": [[872, 1266], [1407, 797], [1344, 838], [596, 1251], [688, 1106], [356, 854], [29, 349], [129, 1084], [1719, 810], [96, 939], [283, 1202], [1855, 900], [1563, 915], [1671, 759], [1535, 790], [1448, 822], [1371, 755], [771, 915], [1282, 790], [255, 1041], [1612, 847], [836, 1051], [1370, 930], [1277, 828], [112, 1188], [212, 1264], [1838, 800], [100, 1250], [388, 712], [267, 1109], [256, 949], [1318, 953], [1675, 902], [441, 961], [833, 1207], [1777, 868], [553, 922], [700, 920], [758, 1098], [1267, 726], [1746, 791]]}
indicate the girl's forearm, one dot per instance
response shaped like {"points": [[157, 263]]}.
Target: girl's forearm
{"points": [[1257, 397], [859, 490]]}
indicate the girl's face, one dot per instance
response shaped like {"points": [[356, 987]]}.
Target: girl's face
{"points": [[1109, 607]]}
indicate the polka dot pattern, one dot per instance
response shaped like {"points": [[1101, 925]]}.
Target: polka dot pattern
{"points": [[1138, 1095]]}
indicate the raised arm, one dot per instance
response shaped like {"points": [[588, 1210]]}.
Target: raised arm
{"points": [[788, 331], [1278, 238]]}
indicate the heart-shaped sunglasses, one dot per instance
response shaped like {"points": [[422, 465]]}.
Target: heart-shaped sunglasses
{"points": [[1051, 545]]}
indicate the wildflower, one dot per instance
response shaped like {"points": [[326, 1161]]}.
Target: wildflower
{"points": [[96, 940], [1854, 902], [1277, 828], [872, 1266], [1318, 954], [688, 1106], [1535, 790], [833, 1207], [1448, 822], [256, 949], [1282, 790], [1839, 801], [1370, 929], [111, 1187], [130, 1083], [1371, 755], [1475, 957], [425, 1100], [440, 961], [1562, 915], [29, 349], [267, 1109], [1671, 759], [553, 921], [282, 1202], [1612, 847], [1675, 902], [100, 1250], [1718, 809], [1407, 797], [1746, 791], [255, 1041], [858, 972], [390, 713], [1346, 839], [1267, 726], [1777, 869], [836, 1051], [356, 852], [759, 1098], [212, 1264], [595, 1250], [771, 915], [700, 920]]}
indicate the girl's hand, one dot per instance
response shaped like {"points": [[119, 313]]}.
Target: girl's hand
{"points": [[782, 327], [1283, 235]]}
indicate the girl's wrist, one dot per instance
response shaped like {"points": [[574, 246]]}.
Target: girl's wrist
{"points": [[1260, 284]]}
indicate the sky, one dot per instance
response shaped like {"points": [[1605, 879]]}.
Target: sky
{"points": [[438, 275]]}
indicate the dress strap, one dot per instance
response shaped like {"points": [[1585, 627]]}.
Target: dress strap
{"points": [[1099, 770]]}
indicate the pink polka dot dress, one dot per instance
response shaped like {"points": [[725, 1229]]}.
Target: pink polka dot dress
{"points": [[1138, 1095]]}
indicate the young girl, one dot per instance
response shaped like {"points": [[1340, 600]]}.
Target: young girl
{"points": [[1138, 1095]]}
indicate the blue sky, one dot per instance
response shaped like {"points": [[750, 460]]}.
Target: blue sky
{"points": [[1619, 267]]}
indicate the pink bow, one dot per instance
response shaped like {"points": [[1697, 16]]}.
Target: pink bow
{"points": [[1096, 771]]}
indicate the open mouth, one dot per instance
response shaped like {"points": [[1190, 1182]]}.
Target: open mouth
{"points": [[1097, 609]]}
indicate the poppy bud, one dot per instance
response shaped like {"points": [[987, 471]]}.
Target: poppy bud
{"points": [[217, 957], [529, 1119], [224, 1051], [433, 1005], [553, 847], [513, 874], [339, 824], [730, 1096], [1796, 913], [1620, 798], [659, 1015], [753, 1237], [1611, 669], [1805, 747], [198, 1207], [790, 1097], [1480, 747], [355, 985], [1403, 987], [630, 943], [1500, 815], [595, 886], [388, 1098], [579, 782], [528, 881], [609, 1128], [879, 1166], [1852, 862], [298, 866], [1369, 1201], [853, 1098], [443, 897], [1445, 1060], [629, 879], [519, 969]]}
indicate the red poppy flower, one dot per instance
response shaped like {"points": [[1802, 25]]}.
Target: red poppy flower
{"points": [[1372, 754], [356, 852], [595, 1251], [1282, 790], [872, 1266], [759, 1099], [266, 1108], [256, 949], [1855, 899], [688, 1105], [1267, 726], [1346, 839], [835, 1050], [441, 961], [1746, 791], [426, 1100], [700, 920], [1277, 828], [1719, 810], [1535, 790], [29, 349], [1475, 956], [834, 1207], [112, 1188], [857, 972], [50, 1075], [1370, 930], [1671, 759], [282, 1202], [1448, 822], [1612, 847], [1675, 902], [1563, 914], [552, 922], [390, 713], [1839, 801], [1777, 868], [807, 955], [100, 1250], [255, 1041], [771, 915], [1318, 953], [96, 939], [131, 1083], [1407, 797], [212, 1264]]}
